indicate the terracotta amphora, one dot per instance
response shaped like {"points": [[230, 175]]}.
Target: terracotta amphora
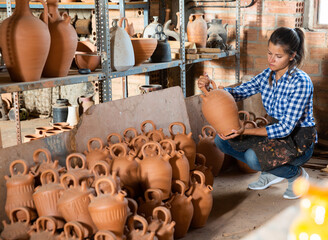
{"points": [[63, 42], [202, 200], [157, 134], [72, 231], [122, 55], [181, 209], [20, 188], [119, 139], [84, 103], [133, 206], [201, 166], [25, 43], [44, 228], [197, 30], [136, 145], [73, 203], [153, 198], [164, 228], [178, 160], [80, 173], [184, 142], [137, 234], [46, 196], [206, 146], [95, 154], [105, 235], [129, 134], [45, 164], [16, 229], [155, 170], [220, 110], [100, 169], [126, 167], [128, 27], [109, 211]]}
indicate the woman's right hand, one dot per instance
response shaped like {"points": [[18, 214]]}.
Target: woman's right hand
{"points": [[203, 81]]}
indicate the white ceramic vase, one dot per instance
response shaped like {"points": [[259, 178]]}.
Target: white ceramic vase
{"points": [[73, 115]]}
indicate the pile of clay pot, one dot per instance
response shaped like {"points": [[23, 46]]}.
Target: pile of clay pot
{"points": [[136, 186]]}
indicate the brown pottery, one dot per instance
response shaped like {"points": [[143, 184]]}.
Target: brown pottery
{"points": [[261, 121], [72, 231], [44, 228], [84, 103], [89, 60], [201, 166], [25, 43], [164, 228], [63, 42], [157, 134], [206, 146], [129, 134], [136, 145], [220, 110], [153, 199], [137, 234], [79, 173], [184, 142], [105, 235], [95, 154], [197, 30], [143, 49], [128, 27]]}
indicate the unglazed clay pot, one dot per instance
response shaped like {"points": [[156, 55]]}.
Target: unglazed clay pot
{"points": [[45, 228], [136, 145], [202, 200], [178, 160], [136, 234], [143, 49], [73, 203], [128, 28], [200, 166], [156, 134], [122, 55], [20, 188], [197, 30], [63, 42], [94, 155], [129, 134], [72, 231], [182, 210], [184, 142], [155, 169], [17, 230], [84, 103], [25, 43], [261, 121], [153, 198], [220, 110], [105, 235], [164, 228], [206, 146], [87, 60], [109, 210]]}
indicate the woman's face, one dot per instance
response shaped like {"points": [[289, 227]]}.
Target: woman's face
{"points": [[278, 59]]}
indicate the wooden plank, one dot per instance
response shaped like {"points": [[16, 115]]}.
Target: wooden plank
{"points": [[209, 55], [176, 44], [209, 50]]}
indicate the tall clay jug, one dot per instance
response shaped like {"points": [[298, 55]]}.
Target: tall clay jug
{"points": [[95, 154], [153, 198], [122, 54], [220, 110], [162, 223], [197, 30], [25, 43], [206, 146], [63, 42]]}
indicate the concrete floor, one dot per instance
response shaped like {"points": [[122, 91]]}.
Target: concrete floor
{"points": [[236, 211]]}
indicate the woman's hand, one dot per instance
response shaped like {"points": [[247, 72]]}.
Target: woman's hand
{"points": [[234, 133], [203, 81]]}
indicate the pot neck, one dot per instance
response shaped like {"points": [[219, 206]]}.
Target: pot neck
{"points": [[53, 9], [22, 7]]}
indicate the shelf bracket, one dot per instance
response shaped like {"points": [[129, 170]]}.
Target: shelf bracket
{"points": [[17, 119], [182, 48]]}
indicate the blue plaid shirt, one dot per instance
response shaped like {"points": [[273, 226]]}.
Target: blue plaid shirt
{"points": [[289, 100]]}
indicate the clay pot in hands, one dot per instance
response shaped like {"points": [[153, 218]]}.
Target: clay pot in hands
{"points": [[143, 49], [261, 121], [63, 42], [137, 234], [46, 196], [220, 110], [128, 28], [178, 160], [126, 167], [16, 229], [25, 43], [197, 30], [122, 55], [184, 142], [109, 210], [155, 169], [73, 203], [153, 198], [202, 200], [94, 155], [182, 210], [249, 124], [20, 188], [206, 146], [156, 134], [201, 166], [45, 228], [164, 227]]}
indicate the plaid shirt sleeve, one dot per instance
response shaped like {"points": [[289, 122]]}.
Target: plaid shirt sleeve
{"points": [[297, 99]]}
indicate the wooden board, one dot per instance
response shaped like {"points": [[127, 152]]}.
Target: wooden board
{"points": [[209, 50]]}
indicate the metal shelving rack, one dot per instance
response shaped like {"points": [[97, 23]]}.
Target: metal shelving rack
{"points": [[104, 76]]}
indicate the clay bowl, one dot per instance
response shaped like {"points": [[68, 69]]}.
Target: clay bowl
{"points": [[88, 60], [143, 49]]}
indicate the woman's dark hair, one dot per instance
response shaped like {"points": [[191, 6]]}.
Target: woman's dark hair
{"points": [[292, 40]]}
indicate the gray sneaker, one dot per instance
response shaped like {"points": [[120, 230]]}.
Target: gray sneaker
{"points": [[289, 194], [265, 180]]}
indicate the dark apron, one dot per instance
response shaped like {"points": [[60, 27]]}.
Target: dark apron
{"points": [[273, 153]]}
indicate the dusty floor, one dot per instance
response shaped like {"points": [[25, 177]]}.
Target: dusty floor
{"points": [[236, 210]]}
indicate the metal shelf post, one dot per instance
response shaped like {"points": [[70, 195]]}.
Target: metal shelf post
{"points": [[237, 56], [182, 48]]}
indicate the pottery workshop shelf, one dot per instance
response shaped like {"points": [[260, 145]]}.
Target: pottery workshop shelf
{"points": [[6, 85], [210, 56], [82, 5]]}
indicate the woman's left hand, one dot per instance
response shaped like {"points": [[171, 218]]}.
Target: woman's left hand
{"points": [[234, 133]]}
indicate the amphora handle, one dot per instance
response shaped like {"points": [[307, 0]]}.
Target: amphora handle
{"points": [[177, 124], [107, 180], [165, 211], [16, 162], [37, 153], [157, 193], [211, 131], [95, 139], [140, 219], [77, 155], [42, 223], [44, 178]]}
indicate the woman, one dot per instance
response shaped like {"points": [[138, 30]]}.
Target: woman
{"points": [[279, 149]]}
